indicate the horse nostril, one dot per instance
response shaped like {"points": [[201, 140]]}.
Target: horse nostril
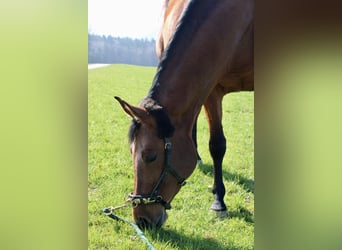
{"points": [[147, 222], [144, 223]]}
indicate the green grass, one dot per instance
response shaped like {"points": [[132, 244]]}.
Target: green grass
{"points": [[191, 225]]}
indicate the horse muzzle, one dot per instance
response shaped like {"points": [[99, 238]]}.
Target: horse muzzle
{"points": [[148, 218]]}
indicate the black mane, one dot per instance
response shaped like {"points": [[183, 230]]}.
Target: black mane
{"points": [[182, 37], [164, 125], [189, 24]]}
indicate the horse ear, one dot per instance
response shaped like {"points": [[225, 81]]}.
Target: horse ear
{"points": [[136, 113]]}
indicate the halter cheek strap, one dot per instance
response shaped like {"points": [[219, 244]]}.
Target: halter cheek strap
{"points": [[154, 198]]}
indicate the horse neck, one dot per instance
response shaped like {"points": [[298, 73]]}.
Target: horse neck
{"points": [[197, 56], [186, 78], [183, 89]]}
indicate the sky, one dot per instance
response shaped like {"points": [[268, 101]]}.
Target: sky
{"points": [[125, 18]]}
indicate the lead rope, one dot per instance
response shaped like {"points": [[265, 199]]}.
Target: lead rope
{"points": [[109, 212], [148, 200]]}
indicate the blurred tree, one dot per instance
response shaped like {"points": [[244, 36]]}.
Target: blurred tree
{"points": [[108, 49]]}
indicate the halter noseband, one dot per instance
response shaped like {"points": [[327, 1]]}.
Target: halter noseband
{"points": [[154, 198]]}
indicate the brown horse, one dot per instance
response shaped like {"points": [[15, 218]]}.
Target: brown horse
{"points": [[206, 50]]}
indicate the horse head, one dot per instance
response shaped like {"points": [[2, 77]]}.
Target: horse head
{"points": [[161, 157]]}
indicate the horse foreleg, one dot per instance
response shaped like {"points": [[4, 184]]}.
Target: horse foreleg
{"points": [[217, 147], [194, 138]]}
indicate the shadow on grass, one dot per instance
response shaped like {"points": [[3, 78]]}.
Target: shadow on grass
{"points": [[247, 184], [242, 213], [180, 241]]}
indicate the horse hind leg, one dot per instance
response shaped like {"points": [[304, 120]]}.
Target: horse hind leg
{"points": [[217, 147]]}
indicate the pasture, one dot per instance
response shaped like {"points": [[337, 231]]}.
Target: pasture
{"points": [[191, 225]]}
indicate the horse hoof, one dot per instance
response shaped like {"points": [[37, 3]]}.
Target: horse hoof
{"points": [[218, 206], [221, 214]]}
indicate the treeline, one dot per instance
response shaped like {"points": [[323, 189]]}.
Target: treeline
{"points": [[108, 49]]}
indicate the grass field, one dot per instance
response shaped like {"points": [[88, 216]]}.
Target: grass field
{"points": [[191, 225]]}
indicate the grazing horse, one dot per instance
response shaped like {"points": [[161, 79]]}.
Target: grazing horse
{"points": [[208, 53]]}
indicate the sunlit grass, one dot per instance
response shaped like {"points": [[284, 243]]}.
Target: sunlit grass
{"points": [[191, 225]]}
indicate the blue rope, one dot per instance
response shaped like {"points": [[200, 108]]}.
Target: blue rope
{"points": [[109, 212]]}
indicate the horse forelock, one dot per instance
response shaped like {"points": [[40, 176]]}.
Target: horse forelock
{"points": [[132, 130], [164, 124]]}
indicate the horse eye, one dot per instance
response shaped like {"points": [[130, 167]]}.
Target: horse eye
{"points": [[148, 158]]}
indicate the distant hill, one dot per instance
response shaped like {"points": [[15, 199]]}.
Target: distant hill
{"points": [[108, 49]]}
